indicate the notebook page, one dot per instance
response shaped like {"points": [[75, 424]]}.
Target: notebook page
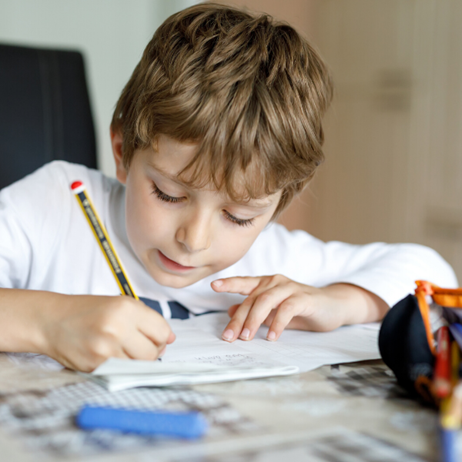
{"points": [[199, 339]]}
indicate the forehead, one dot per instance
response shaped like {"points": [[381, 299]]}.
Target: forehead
{"points": [[173, 153], [172, 158]]}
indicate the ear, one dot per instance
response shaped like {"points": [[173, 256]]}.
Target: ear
{"points": [[116, 142]]}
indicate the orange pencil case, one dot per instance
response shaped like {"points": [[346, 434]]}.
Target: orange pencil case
{"points": [[406, 340]]}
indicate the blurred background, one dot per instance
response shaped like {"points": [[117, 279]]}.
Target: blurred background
{"points": [[111, 34], [393, 169]]}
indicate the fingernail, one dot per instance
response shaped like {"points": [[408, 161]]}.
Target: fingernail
{"points": [[271, 335], [227, 334], [162, 353], [218, 283], [245, 334]]}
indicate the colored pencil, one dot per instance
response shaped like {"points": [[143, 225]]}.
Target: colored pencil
{"points": [[455, 363], [451, 409], [456, 332], [442, 371], [450, 423], [448, 447]]}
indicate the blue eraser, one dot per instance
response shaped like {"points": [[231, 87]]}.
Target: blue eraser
{"points": [[188, 425]]}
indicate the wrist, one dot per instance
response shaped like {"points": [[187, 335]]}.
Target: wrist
{"points": [[356, 305], [338, 304], [52, 307]]}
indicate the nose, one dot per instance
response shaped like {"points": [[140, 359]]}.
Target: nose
{"points": [[194, 233]]}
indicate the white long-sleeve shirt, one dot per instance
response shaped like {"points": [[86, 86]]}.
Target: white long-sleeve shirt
{"points": [[46, 244]]}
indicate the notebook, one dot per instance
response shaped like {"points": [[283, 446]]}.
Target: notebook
{"points": [[199, 355]]}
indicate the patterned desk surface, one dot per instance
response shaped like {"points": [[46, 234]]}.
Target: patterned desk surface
{"points": [[341, 413]]}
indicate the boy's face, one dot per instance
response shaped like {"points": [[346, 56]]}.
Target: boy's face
{"points": [[181, 234]]}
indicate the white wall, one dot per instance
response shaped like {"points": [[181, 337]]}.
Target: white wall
{"points": [[112, 34]]}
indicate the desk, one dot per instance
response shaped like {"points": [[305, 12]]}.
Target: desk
{"points": [[356, 409]]}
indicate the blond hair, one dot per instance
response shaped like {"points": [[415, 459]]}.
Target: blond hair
{"points": [[250, 91]]}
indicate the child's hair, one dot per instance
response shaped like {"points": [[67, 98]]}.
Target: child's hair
{"points": [[250, 91]]}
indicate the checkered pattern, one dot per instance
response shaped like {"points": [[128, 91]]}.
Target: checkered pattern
{"points": [[371, 381], [358, 447], [343, 447], [45, 420]]}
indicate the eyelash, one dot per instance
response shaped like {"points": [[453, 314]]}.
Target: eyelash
{"points": [[238, 221], [166, 198]]}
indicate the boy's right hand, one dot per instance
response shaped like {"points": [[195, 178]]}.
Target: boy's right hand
{"points": [[86, 330]]}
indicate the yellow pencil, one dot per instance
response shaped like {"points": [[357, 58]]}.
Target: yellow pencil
{"points": [[455, 362], [100, 233], [451, 407]]}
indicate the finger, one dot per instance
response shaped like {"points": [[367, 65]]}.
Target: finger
{"points": [[87, 362], [234, 327], [263, 305], [238, 327], [269, 318], [171, 338], [151, 324], [138, 346], [236, 285], [232, 310], [297, 322], [287, 310]]}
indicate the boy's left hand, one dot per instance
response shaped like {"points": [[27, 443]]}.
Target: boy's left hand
{"points": [[281, 303]]}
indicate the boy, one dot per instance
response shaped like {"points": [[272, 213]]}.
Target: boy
{"points": [[217, 130]]}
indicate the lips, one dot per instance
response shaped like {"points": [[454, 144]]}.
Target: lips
{"points": [[173, 265]]}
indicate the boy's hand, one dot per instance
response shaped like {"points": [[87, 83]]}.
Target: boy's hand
{"points": [[86, 330], [282, 303]]}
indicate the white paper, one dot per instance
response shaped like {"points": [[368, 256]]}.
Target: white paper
{"points": [[199, 355], [120, 374], [199, 340]]}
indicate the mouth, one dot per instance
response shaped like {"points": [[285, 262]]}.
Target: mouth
{"points": [[173, 265]]}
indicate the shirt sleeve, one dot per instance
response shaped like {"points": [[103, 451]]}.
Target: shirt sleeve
{"points": [[15, 246], [30, 224], [387, 270]]}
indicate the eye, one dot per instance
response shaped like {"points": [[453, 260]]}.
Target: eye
{"points": [[165, 197], [238, 221]]}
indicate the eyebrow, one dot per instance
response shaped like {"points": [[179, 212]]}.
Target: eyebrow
{"points": [[253, 203], [167, 175], [257, 204]]}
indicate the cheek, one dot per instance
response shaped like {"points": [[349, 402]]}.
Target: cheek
{"points": [[233, 245], [146, 224]]}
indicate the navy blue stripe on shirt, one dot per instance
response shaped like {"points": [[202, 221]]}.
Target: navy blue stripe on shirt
{"points": [[177, 310], [154, 304], [209, 312]]}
